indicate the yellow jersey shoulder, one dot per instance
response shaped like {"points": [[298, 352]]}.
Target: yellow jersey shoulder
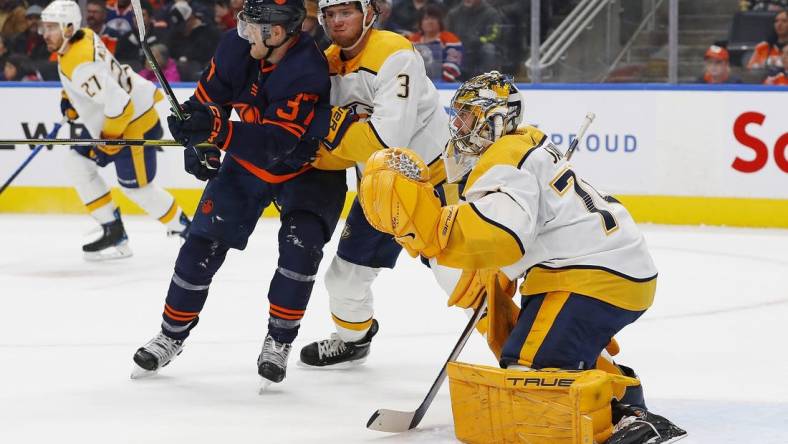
{"points": [[511, 149], [82, 51], [379, 47]]}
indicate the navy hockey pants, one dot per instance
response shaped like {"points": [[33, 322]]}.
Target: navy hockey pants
{"points": [[310, 205]]}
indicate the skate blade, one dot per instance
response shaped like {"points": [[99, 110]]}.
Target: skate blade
{"points": [[339, 366], [264, 385], [140, 373], [119, 251], [677, 438]]}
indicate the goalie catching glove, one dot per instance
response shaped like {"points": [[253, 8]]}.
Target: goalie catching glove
{"points": [[398, 199]]}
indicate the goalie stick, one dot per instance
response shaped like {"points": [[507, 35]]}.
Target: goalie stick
{"points": [[580, 133], [395, 421]]}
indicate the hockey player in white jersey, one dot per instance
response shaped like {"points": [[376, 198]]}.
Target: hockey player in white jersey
{"points": [[586, 269], [378, 78], [112, 102]]}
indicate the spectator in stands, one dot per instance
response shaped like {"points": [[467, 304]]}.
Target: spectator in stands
{"points": [[224, 15], [407, 13], [781, 77], [168, 66], [120, 17], [30, 42], [192, 41], [311, 26], [12, 18], [19, 68], [717, 68], [764, 5], [384, 20], [478, 25], [3, 55], [767, 54], [155, 30], [444, 47]]}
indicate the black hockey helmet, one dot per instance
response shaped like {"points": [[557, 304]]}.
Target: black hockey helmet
{"points": [[287, 13]]}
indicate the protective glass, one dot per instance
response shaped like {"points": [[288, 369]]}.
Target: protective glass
{"points": [[249, 31]]}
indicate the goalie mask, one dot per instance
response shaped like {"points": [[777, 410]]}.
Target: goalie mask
{"points": [[483, 109], [266, 13]]}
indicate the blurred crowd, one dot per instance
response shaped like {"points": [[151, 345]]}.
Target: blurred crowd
{"points": [[457, 38], [766, 63]]}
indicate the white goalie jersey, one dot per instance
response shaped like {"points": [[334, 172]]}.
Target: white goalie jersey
{"points": [[550, 226], [111, 98], [387, 86]]}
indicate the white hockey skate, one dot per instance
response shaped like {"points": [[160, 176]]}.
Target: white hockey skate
{"points": [[157, 353], [272, 362]]}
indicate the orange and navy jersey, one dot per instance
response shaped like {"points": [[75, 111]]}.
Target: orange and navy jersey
{"points": [[275, 103], [766, 55], [779, 79]]}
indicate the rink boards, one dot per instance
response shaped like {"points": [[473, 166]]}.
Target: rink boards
{"points": [[676, 155]]}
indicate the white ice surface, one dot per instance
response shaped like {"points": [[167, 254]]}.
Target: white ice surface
{"points": [[711, 352]]}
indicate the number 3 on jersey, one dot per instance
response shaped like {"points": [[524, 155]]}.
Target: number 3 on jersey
{"points": [[566, 179]]}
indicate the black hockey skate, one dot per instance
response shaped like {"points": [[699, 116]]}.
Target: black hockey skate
{"points": [[113, 243], [183, 230], [638, 426], [335, 353], [157, 353], [272, 362]]}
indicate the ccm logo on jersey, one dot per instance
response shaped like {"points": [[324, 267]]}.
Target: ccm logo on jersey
{"points": [[541, 382], [757, 145], [217, 123]]}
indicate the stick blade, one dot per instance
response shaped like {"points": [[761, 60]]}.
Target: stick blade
{"points": [[391, 421]]}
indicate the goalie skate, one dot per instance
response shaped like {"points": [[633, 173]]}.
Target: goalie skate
{"points": [[154, 355], [639, 426], [334, 353], [272, 362], [113, 243]]}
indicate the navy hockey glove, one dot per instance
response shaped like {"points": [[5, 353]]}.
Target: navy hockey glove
{"points": [[202, 163], [187, 108], [330, 123], [207, 123], [67, 109], [304, 152]]}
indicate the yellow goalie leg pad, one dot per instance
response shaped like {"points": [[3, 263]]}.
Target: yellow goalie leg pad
{"points": [[493, 405]]}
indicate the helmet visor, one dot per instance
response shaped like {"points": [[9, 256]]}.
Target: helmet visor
{"points": [[252, 32]]}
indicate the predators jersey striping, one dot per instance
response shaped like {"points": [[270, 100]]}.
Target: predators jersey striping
{"points": [[550, 225], [386, 84], [111, 99]]}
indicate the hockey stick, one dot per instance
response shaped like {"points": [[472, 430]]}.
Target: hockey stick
{"points": [[395, 421], [165, 85], [119, 142], [176, 108], [580, 133], [42, 144]]}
